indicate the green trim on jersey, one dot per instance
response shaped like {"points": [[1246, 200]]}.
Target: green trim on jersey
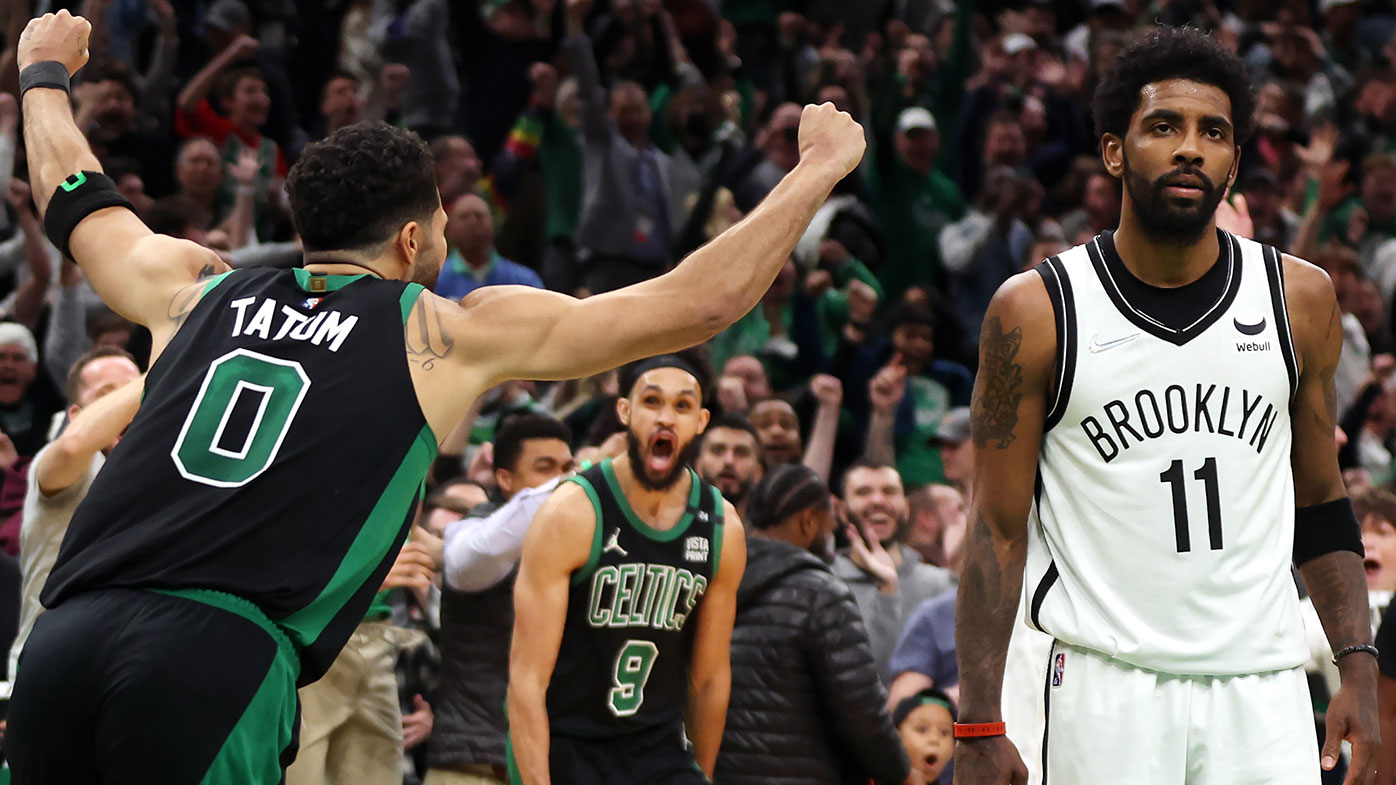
{"points": [[719, 526], [374, 539], [252, 750], [214, 281], [332, 282], [587, 569], [658, 535], [409, 299]]}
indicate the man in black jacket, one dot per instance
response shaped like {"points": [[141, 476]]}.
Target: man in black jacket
{"points": [[477, 604], [807, 707]]}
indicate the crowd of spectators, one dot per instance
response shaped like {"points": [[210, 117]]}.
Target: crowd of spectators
{"points": [[583, 145]]}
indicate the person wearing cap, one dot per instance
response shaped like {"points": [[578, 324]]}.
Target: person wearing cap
{"points": [[1339, 35], [914, 200], [1273, 223], [1107, 16], [823, 721], [28, 400], [952, 440]]}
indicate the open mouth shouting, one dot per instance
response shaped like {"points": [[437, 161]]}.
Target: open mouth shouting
{"points": [[663, 450], [1372, 567]]}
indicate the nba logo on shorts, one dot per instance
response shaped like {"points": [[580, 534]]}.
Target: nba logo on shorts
{"points": [[1058, 669]]}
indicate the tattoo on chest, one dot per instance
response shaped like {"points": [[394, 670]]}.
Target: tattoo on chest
{"points": [[995, 411], [425, 333]]}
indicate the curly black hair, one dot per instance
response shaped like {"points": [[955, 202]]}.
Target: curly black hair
{"points": [[1172, 53], [355, 189]]}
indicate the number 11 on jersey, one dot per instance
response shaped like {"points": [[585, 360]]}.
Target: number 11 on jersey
{"points": [[1173, 476]]}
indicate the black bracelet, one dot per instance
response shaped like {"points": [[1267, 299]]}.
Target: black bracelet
{"points": [[1367, 647], [48, 73]]}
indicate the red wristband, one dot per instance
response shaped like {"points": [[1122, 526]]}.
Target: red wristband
{"points": [[975, 730]]}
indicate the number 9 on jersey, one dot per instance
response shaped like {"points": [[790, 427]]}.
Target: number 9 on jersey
{"points": [[633, 665]]}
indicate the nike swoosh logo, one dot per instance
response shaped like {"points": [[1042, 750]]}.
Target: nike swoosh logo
{"points": [[1098, 346], [1249, 329]]}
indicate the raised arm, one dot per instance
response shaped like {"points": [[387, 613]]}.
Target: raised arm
{"points": [[557, 545], [1335, 580], [65, 461], [514, 332], [138, 273], [1016, 350], [710, 670], [480, 554], [202, 82]]}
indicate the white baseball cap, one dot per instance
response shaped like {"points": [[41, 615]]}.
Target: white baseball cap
{"points": [[915, 118], [1013, 43]]}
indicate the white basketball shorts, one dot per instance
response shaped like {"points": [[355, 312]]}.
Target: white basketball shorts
{"points": [[1108, 723]]}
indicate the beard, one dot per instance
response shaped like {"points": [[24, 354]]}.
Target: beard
{"points": [[901, 530], [424, 272], [682, 460], [737, 494], [1165, 218]]}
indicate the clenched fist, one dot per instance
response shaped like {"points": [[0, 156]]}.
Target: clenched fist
{"points": [[831, 138], [61, 37]]}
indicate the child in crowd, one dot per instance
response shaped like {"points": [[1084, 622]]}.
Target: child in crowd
{"points": [[926, 721]]}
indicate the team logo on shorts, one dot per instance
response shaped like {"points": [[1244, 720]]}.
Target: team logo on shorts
{"points": [[695, 549], [1058, 669]]}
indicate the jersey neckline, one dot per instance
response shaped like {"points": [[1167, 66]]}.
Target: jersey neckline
{"points": [[332, 282], [1109, 268], [659, 535]]}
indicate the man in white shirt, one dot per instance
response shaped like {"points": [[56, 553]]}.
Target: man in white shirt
{"points": [[104, 392], [531, 453]]}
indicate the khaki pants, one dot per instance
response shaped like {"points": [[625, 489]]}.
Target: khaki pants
{"points": [[479, 775], [351, 723]]}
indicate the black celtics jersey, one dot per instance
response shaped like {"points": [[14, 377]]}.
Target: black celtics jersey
{"points": [[631, 614], [278, 455]]}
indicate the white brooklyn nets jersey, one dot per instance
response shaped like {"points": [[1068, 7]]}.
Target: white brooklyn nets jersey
{"points": [[1163, 524]]}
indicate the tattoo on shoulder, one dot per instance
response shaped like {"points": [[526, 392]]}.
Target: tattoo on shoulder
{"points": [[183, 302], [995, 410], [425, 332]]}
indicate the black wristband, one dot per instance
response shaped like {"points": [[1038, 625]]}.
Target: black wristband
{"points": [[1325, 528], [1363, 647], [74, 199], [47, 73]]}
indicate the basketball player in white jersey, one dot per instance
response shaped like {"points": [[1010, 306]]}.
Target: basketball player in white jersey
{"points": [[1153, 425]]}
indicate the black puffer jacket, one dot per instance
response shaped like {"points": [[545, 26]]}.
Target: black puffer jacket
{"points": [[807, 707]]}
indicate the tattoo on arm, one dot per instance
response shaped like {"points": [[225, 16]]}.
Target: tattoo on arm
{"points": [[995, 411], [183, 302], [1339, 592], [427, 339], [984, 621]]}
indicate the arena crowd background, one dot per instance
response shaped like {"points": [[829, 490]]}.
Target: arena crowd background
{"points": [[582, 145]]}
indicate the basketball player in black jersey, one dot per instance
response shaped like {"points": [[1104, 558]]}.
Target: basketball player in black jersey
{"points": [[624, 605], [239, 532], [1172, 117]]}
